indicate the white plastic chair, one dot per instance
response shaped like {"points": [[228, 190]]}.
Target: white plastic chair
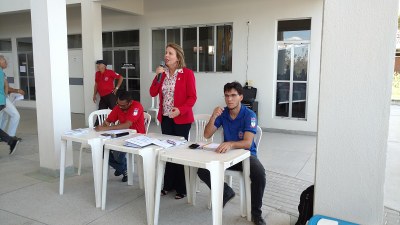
{"points": [[201, 121], [101, 116], [154, 108], [239, 174], [147, 121]]}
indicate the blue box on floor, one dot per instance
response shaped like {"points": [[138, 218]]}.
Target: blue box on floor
{"points": [[314, 220]]}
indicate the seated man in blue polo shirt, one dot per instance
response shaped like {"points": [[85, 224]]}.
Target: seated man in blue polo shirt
{"points": [[240, 126]]}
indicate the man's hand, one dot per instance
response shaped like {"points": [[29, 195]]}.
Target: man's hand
{"points": [[217, 112], [224, 147], [159, 70], [94, 98], [100, 128], [175, 112], [105, 126], [115, 91]]}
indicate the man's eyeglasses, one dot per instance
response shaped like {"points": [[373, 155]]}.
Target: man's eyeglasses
{"points": [[123, 106], [230, 96]]}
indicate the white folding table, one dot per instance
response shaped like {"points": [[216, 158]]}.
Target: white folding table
{"points": [[148, 167], [96, 142], [216, 163]]}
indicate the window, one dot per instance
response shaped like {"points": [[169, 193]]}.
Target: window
{"points": [[5, 45], [24, 44], [293, 47], [224, 48], [107, 39], [207, 48], [74, 41], [189, 45], [126, 38]]}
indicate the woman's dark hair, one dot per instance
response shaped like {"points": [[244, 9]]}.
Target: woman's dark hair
{"points": [[234, 85], [124, 95]]}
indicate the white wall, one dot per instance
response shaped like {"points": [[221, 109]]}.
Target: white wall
{"points": [[356, 72], [76, 71], [263, 16]]}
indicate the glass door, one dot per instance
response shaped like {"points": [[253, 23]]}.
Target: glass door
{"points": [[27, 75], [133, 73], [126, 62]]}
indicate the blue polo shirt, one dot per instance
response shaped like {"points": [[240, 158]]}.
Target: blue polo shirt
{"points": [[234, 128], [2, 94]]}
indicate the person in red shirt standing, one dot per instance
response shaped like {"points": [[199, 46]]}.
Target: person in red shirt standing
{"points": [[176, 87], [104, 85], [130, 115]]}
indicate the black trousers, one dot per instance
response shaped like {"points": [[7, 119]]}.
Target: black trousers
{"points": [[174, 177], [257, 178], [5, 137], [108, 101]]}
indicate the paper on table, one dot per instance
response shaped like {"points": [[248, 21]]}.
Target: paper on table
{"points": [[78, 131], [164, 144], [327, 222], [210, 146], [141, 141]]}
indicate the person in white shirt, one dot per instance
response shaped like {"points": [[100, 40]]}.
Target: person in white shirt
{"points": [[10, 115]]}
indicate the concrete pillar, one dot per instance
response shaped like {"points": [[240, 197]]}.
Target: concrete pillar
{"points": [[358, 48], [92, 48], [49, 35]]}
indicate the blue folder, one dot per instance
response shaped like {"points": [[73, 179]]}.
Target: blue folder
{"points": [[314, 220]]}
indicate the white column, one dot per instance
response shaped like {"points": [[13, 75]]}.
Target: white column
{"points": [[92, 49], [49, 34], [358, 48]]}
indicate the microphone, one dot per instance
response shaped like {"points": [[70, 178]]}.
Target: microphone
{"points": [[162, 63]]}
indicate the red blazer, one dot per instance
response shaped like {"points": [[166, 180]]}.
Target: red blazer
{"points": [[184, 97]]}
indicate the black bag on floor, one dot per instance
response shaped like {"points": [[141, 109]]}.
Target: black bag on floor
{"points": [[306, 205]]}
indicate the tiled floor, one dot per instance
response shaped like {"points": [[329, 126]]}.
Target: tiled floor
{"points": [[27, 197]]}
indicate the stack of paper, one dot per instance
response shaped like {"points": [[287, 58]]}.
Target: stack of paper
{"points": [[142, 141], [78, 131]]}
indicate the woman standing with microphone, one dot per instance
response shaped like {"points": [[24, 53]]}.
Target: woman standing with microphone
{"points": [[176, 86]]}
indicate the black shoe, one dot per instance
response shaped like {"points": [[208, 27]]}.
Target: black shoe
{"points": [[179, 196], [13, 145], [228, 196], [258, 220], [19, 139], [125, 177], [117, 173]]}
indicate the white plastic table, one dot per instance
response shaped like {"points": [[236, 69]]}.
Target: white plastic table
{"points": [[96, 142], [216, 163], [149, 157]]}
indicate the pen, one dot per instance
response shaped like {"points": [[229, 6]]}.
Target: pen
{"points": [[171, 142]]}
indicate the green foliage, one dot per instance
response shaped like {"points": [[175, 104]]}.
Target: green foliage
{"points": [[396, 80], [396, 86]]}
